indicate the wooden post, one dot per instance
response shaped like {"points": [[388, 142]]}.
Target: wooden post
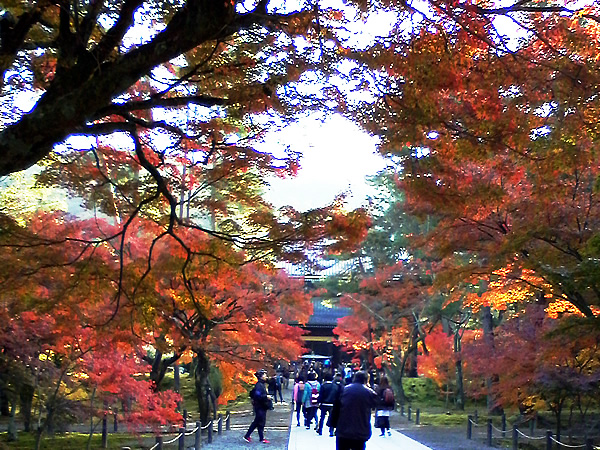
{"points": [[228, 420], [210, 431], [469, 427], [548, 440], [159, 443], [402, 409], [489, 432], [220, 425], [105, 431], [515, 438], [531, 427], [115, 421], [181, 440], [476, 417], [503, 425], [409, 413], [176, 383], [589, 444], [198, 437], [418, 417], [184, 414]]}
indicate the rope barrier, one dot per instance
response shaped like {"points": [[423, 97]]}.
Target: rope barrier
{"points": [[189, 433], [567, 445], [498, 429], [173, 440], [533, 438], [475, 423], [154, 446], [206, 426]]}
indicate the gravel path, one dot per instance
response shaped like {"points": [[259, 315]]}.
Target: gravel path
{"points": [[277, 432]]}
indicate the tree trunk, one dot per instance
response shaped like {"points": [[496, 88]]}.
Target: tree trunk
{"points": [[4, 406], [159, 367], [396, 378], [460, 390], [202, 384], [487, 323], [412, 362], [12, 426], [558, 414], [26, 403]]}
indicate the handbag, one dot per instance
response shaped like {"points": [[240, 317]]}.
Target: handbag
{"points": [[378, 423], [269, 404]]}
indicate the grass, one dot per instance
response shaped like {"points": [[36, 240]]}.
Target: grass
{"points": [[71, 441], [187, 389]]}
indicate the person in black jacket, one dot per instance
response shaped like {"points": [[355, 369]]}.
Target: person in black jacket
{"points": [[261, 403], [352, 414], [328, 395]]}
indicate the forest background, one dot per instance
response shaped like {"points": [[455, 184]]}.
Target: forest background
{"points": [[483, 240]]}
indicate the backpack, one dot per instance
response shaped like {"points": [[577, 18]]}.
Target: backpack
{"points": [[388, 397], [314, 395]]}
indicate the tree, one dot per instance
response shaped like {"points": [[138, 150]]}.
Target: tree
{"points": [[493, 134], [541, 361], [79, 60], [387, 320]]}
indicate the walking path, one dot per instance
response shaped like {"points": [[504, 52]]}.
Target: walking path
{"points": [[303, 439]]}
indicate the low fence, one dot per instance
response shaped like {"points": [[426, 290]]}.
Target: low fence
{"points": [[212, 427], [409, 414], [549, 440]]}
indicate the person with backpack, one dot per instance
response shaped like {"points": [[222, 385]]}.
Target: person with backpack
{"points": [[261, 403], [278, 385], [311, 400], [298, 397], [328, 394], [385, 404]]}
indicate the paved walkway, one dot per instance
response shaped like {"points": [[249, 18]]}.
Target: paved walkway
{"points": [[303, 439]]}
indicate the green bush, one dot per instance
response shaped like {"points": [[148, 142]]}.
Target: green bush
{"points": [[420, 390]]}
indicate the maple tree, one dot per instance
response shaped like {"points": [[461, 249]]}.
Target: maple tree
{"points": [[187, 187], [544, 361], [387, 320], [59, 352], [494, 138]]}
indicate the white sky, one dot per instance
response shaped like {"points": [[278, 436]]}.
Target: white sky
{"points": [[336, 157]]}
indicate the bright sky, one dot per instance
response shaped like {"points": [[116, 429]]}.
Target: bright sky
{"points": [[336, 157]]}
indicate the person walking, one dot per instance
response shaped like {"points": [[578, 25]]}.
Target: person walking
{"points": [[261, 404], [311, 400], [278, 386], [298, 397], [352, 414], [328, 395], [272, 387], [385, 404]]}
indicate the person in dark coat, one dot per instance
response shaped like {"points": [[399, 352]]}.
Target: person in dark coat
{"points": [[261, 404], [352, 414], [328, 395], [338, 380]]}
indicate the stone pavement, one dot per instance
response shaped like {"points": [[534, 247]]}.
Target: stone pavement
{"points": [[303, 439]]}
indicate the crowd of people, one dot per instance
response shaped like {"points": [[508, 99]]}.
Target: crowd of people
{"points": [[341, 399]]}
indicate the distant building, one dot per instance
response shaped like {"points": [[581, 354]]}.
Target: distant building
{"points": [[320, 327], [326, 312]]}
